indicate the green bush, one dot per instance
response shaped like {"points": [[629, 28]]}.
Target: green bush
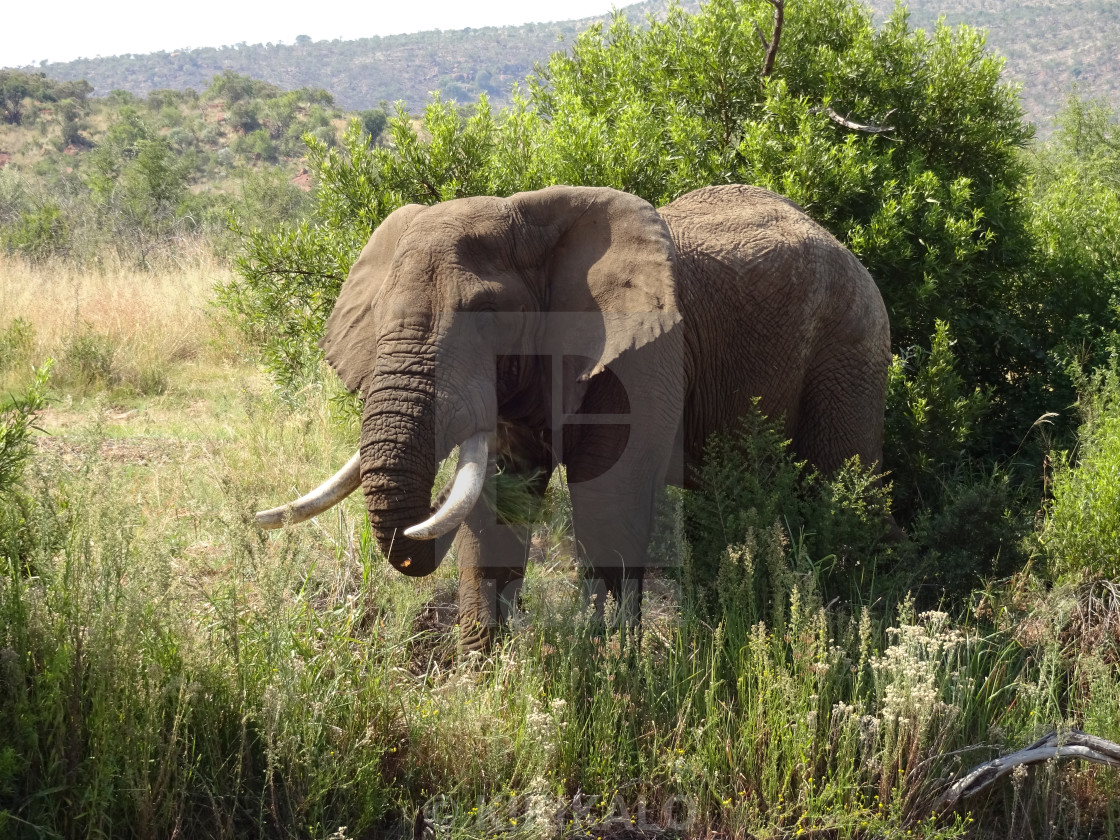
{"points": [[373, 123], [976, 532], [37, 234], [17, 420], [256, 145], [931, 422], [87, 359], [1081, 536], [762, 523], [21, 522]]}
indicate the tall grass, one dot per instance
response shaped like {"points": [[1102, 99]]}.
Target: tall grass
{"points": [[168, 671], [116, 328]]}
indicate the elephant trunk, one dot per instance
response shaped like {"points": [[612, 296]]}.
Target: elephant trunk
{"points": [[398, 465]]}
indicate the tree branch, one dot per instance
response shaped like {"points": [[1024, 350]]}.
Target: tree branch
{"points": [[866, 128], [772, 47], [761, 37], [1072, 744]]}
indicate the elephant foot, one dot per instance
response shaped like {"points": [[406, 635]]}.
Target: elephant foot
{"points": [[614, 597], [488, 600]]}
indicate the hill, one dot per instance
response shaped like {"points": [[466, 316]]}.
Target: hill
{"points": [[360, 73], [1049, 45]]}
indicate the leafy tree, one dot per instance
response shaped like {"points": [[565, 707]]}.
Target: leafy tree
{"points": [[243, 115], [373, 122], [256, 145], [14, 88], [933, 207], [232, 87], [139, 185], [17, 86]]}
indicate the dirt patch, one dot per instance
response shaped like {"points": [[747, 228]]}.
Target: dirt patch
{"points": [[5, 159], [302, 180], [433, 641], [137, 451]]}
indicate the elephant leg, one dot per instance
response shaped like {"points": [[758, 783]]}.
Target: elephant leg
{"points": [[617, 468], [491, 557], [841, 412], [492, 554], [612, 535]]}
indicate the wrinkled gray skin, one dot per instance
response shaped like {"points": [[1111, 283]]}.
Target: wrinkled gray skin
{"points": [[448, 325]]}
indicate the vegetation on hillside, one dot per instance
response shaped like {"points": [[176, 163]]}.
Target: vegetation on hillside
{"points": [[1049, 46], [167, 669], [361, 72], [140, 180]]}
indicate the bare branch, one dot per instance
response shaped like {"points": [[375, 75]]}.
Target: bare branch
{"points": [[761, 37], [866, 128], [772, 47], [1072, 744]]}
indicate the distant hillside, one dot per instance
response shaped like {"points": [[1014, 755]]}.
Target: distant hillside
{"points": [[1049, 44], [360, 73]]}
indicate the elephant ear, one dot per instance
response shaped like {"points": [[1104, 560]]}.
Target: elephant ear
{"points": [[349, 341], [609, 272]]}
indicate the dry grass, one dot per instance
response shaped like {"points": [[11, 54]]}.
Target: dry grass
{"points": [[141, 322]]}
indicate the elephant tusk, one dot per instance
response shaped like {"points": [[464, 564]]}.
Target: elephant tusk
{"points": [[470, 475], [326, 495]]}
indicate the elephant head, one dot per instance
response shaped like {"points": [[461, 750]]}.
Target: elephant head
{"points": [[441, 324]]}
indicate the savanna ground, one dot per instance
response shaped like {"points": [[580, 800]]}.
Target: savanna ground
{"points": [[169, 671]]}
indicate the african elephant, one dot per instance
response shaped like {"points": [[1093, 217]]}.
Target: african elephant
{"points": [[581, 326]]}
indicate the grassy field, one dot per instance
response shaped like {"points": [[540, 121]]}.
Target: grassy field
{"points": [[168, 671]]}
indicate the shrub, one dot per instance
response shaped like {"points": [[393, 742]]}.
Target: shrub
{"points": [[1081, 536], [750, 483], [931, 422], [762, 522], [976, 531], [17, 342], [17, 419], [87, 358], [37, 234], [256, 145], [373, 122]]}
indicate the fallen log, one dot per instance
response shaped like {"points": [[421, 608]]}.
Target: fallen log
{"points": [[1071, 744]]}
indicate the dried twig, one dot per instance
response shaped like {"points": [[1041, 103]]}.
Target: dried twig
{"points": [[1071, 744], [866, 128]]}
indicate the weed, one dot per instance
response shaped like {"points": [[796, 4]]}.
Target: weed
{"points": [[17, 342], [87, 359], [1082, 532]]}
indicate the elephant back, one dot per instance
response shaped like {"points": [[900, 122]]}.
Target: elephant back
{"points": [[775, 308]]}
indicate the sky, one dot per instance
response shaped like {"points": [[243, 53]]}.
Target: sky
{"points": [[68, 29]]}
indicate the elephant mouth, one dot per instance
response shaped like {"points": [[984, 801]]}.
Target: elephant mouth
{"points": [[466, 487], [422, 545]]}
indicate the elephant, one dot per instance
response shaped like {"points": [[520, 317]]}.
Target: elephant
{"points": [[581, 326]]}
